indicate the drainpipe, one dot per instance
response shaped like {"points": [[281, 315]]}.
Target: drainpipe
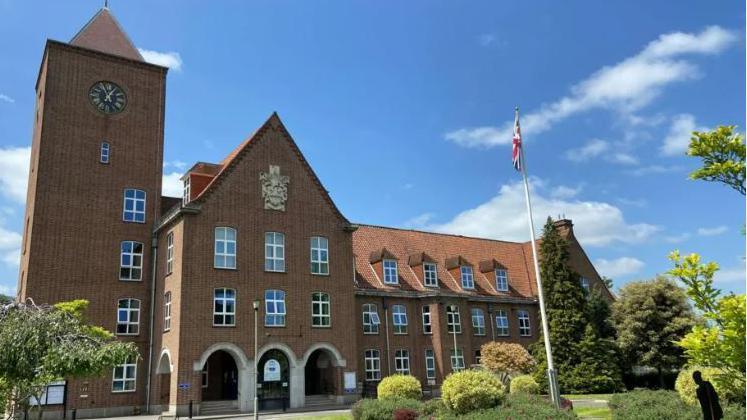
{"points": [[153, 253], [386, 333]]}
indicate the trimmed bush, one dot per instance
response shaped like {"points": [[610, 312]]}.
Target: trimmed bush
{"points": [[433, 408], [506, 357], [524, 384], [383, 409], [685, 385], [402, 386], [662, 405], [471, 390]]}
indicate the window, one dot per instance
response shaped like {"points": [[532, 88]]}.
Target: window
{"points": [[457, 359], [524, 328], [399, 319], [427, 320], [134, 206], [205, 375], [170, 253], [167, 311], [128, 317], [468, 281], [478, 357], [453, 320], [319, 255], [390, 272], [585, 284], [131, 260], [402, 361], [501, 323], [274, 308], [274, 251], [186, 197], [430, 275], [225, 247], [124, 375], [478, 321], [320, 316], [371, 319], [430, 364], [373, 365], [224, 307], [501, 280], [104, 155]]}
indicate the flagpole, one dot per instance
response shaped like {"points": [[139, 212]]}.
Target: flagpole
{"points": [[551, 375]]}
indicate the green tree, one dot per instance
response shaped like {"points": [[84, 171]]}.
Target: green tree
{"points": [[720, 342], [5, 299], [42, 344], [596, 371], [722, 152], [599, 314], [651, 316]]}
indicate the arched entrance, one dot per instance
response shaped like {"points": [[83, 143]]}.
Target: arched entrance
{"points": [[320, 373], [273, 380], [163, 378], [220, 377]]}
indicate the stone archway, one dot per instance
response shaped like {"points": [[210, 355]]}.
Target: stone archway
{"points": [[230, 374], [295, 371], [163, 380], [323, 365]]}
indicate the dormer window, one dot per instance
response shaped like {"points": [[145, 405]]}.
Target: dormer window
{"points": [[390, 271], [430, 278], [501, 280], [185, 198], [468, 280]]}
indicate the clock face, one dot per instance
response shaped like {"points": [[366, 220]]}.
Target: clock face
{"points": [[107, 97]]}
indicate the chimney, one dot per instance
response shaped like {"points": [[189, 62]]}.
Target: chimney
{"points": [[564, 227]]}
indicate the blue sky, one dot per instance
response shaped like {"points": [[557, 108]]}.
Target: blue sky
{"points": [[404, 108]]}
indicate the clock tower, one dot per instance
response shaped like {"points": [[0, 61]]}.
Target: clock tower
{"points": [[94, 189]]}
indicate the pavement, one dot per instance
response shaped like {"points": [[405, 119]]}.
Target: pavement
{"points": [[288, 415]]}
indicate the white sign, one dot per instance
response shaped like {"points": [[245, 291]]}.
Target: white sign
{"points": [[350, 383], [53, 394], [272, 371]]}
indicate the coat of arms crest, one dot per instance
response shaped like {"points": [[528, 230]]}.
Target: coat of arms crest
{"points": [[274, 188]]}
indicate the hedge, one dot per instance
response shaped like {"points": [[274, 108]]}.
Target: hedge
{"points": [[685, 385], [471, 390], [403, 386], [382, 409], [524, 384], [662, 405]]}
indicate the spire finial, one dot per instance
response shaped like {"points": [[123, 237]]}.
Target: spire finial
{"points": [[106, 4]]}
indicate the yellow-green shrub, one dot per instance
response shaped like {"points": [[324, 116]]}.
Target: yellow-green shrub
{"points": [[511, 358], [402, 386], [685, 385], [524, 384], [471, 390]]}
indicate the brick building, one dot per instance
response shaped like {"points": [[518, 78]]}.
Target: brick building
{"points": [[256, 237]]}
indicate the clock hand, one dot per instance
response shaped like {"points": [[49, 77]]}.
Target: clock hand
{"points": [[109, 95]]}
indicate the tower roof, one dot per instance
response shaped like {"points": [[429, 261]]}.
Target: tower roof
{"points": [[103, 33]]}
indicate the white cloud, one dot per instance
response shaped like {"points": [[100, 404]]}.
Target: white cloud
{"points": [[624, 87], [6, 98], [639, 202], [564, 192], [600, 148], [680, 132], [730, 275], [169, 59], [418, 221], [675, 239], [619, 267], [8, 290], [10, 247], [622, 158], [14, 172], [718, 230], [176, 164], [504, 217], [654, 169], [171, 185]]}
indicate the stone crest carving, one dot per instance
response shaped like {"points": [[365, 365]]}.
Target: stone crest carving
{"points": [[274, 188]]}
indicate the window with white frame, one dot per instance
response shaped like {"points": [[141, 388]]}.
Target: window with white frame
{"points": [[478, 321], [468, 280], [224, 307], [524, 327], [453, 319], [371, 319], [319, 255], [585, 284], [390, 272], [430, 276], [399, 319], [457, 359], [134, 206], [186, 196], [274, 251], [204, 375], [225, 247], [320, 307], [167, 311], [402, 361], [104, 155], [128, 316], [501, 280], [274, 308], [426, 311], [170, 253], [501, 323], [124, 376], [430, 364], [131, 261], [372, 363]]}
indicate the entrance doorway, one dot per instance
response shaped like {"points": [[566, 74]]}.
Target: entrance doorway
{"points": [[220, 377], [273, 381], [319, 373]]}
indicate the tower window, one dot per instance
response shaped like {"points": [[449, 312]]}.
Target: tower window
{"points": [[128, 316], [225, 247], [274, 252], [187, 190], [274, 308], [104, 155], [134, 206], [131, 260]]}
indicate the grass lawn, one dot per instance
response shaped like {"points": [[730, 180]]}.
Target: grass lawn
{"points": [[325, 417], [605, 397], [593, 412]]}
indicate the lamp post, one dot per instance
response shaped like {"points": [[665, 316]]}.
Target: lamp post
{"points": [[453, 310], [256, 361]]}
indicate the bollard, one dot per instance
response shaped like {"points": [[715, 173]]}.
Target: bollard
{"points": [[190, 408], [75, 412]]}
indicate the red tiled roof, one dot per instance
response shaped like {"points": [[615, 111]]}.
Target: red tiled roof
{"points": [[103, 33], [404, 243]]}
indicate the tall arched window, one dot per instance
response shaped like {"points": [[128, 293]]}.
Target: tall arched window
{"points": [[104, 153]]}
